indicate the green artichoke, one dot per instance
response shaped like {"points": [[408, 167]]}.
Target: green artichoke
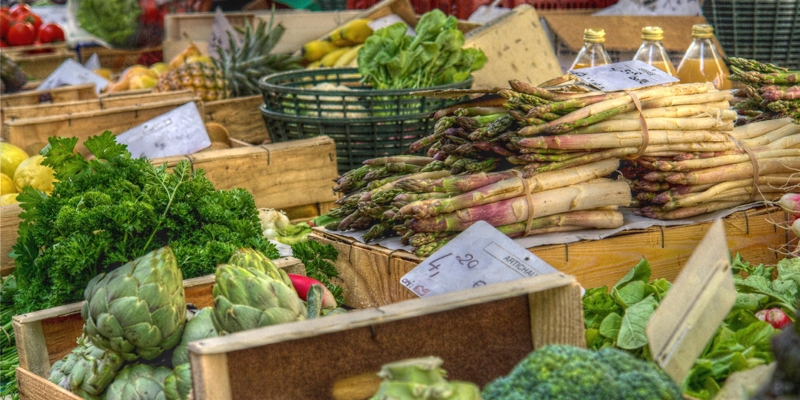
{"points": [[423, 379], [199, 327], [246, 299], [87, 370], [138, 309], [138, 382], [255, 260], [178, 385]]}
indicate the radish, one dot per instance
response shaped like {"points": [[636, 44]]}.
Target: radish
{"points": [[775, 317], [790, 202], [303, 283]]}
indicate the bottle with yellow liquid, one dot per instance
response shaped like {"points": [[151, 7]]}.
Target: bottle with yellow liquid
{"points": [[652, 51], [702, 62], [593, 52]]}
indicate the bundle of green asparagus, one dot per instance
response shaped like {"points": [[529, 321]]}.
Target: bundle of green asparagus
{"points": [[761, 167], [770, 92]]}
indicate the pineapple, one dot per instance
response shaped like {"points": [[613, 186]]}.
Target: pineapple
{"points": [[238, 69]]}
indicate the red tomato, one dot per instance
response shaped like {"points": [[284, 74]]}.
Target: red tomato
{"points": [[3, 43], [50, 32], [19, 8], [5, 25], [4, 10], [31, 18], [21, 34]]}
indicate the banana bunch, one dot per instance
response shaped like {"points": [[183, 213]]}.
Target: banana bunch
{"points": [[340, 48]]}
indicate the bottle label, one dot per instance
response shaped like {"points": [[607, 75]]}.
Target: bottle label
{"points": [[623, 75]]}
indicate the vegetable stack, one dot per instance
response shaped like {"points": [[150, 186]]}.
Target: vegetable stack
{"points": [[770, 92], [758, 162]]}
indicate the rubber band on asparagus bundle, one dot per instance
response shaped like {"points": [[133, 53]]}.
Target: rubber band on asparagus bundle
{"points": [[643, 122], [529, 198], [753, 160]]}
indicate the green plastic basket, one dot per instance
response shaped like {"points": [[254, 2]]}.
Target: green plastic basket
{"points": [[332, 5], [364, 123], [764, 30]]}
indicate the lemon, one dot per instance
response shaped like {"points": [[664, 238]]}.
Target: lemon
{"points": [[6, 184], [7, 199], [31, 172], [10, 157]]}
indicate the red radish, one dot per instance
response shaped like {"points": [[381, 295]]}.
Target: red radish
{"points": [[303, 283], [790, 202], [775, 317]]}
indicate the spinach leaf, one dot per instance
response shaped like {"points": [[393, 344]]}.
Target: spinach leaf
{"points": [[610, 326], [632, 332]]}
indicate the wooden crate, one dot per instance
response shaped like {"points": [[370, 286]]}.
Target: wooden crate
{"points": [[56, 95], [31, 133], [116, 59], [46, 336], [241, 116], [371, 274], [39, 61], [295, 176]]}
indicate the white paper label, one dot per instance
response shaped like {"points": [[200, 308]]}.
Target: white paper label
{"points": [[177, 132], [623, 75], [219, 34], [52, 14], [71, 72], [388, 20], [93, 62], [678, 7], [479, 256]]}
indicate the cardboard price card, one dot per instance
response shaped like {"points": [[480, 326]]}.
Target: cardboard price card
{"points": [[220, 30], [71, 72], [623, 75], [479, 256]]}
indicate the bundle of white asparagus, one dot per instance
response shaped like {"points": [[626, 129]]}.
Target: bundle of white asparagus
{"points": [[760, 166]]}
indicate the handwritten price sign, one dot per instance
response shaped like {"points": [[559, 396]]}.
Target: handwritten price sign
{"points": [[623, 75], [479, 256]]}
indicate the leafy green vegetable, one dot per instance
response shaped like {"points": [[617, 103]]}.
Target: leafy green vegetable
{"points": [[319, 259], [392, 60], [114, 21], [632, 332], [112, 209]]}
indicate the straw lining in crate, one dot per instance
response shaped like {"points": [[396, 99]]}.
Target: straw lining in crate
{"points": [[364, 123], [765, 30]]}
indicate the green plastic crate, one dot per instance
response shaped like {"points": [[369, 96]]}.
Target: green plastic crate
{"points": [[364, 123], [764, 30]]}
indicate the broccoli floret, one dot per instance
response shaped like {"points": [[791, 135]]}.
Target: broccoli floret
{"points": [[567, 372]]}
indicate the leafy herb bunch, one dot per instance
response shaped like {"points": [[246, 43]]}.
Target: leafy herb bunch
{"points": [[112, 209]]}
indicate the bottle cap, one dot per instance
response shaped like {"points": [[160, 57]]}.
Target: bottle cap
{"points": [[594, 35], [702, 31], [652, 33]]}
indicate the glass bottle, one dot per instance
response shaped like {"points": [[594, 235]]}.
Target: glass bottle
{"points": [[652, 51], [702, 62], [593, 53]]}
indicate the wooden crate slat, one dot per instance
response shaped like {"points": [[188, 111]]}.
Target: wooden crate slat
{"points": [[34, 387], [241, 117], [56, 95]]}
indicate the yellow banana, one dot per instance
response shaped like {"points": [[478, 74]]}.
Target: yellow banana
{"points": [[336, 38], [316, 49], [314, 65], [333, 56], [179, 59], [353, 63], [348, 57], [357, 30]]}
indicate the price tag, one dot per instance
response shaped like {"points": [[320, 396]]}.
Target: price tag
{"points": [[479, 256], [71, 72], [388, 20], [623, 75], [93, 62], [180, 131], [219, 34], [694, 307]]}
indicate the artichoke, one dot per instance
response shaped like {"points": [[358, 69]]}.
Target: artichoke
{"points": [[178, 385], [246, 299], [139, 382], [255, 260], [199, 327], [138, 309], [87, 370]]}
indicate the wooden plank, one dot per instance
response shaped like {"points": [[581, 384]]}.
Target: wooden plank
{"points": [[116, 59], [46, 336], [9, 222], [34, 387], [363, 340], [210, 377], [373, 272], [39, 65], [288, 174], [31, 134], [566, 330], [241, 117], [56, 95]]}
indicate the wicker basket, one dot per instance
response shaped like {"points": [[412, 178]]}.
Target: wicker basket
{"points": [[364, 123], [764, 30]]}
